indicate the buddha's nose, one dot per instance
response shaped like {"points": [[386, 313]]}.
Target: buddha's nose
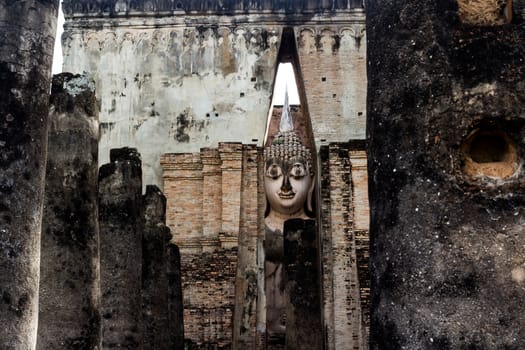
{"points": [[286, 186]]}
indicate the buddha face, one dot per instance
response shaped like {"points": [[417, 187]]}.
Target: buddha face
{"points": [[287, 184]]}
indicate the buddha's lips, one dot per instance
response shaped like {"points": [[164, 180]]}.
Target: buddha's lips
{"points": [[287, 195]]}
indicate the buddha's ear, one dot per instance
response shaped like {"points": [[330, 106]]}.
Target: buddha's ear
{"points": [[309, 199]]}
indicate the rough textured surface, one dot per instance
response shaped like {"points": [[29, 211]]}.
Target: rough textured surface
{"points": [[120, 221], [224, 7], [155, 238], [208, 267], [27, 32], [69, 301], [205, 226], [175, 306], [447, 247], [304, 329], [344, 239], [194, 78], [245, 312]]}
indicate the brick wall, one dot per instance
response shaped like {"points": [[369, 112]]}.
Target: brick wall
{"points": [[208, 287], [344, 240], [213, 210], [333, 67], [219, 191]]}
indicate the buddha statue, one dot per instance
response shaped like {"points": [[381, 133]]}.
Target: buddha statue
{"points": [[288, 184]]}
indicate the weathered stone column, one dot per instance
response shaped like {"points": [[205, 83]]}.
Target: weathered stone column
{"points": [[446, 151], [155, 238], [304, 330], [26, 51], [120, 201], [175, 306], [69, 313], [245, 314]]}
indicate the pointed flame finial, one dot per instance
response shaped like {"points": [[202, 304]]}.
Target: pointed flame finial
{"points": [[286, 116]]}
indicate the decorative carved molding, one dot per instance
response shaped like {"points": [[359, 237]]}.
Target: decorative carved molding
{"points": [[127, 7]]}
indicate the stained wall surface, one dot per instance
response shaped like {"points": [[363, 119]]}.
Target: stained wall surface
{"points": [[182, 78]]}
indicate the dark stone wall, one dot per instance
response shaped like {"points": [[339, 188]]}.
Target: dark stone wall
{"points": [[155, 240], [304, 328], [175, 306], [69, 298], [26, 49], [127, 7], [446, 242], [121, 227]]}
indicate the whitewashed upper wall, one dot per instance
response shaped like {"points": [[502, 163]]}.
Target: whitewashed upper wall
{"points": [[176, 89], [177, 83]]}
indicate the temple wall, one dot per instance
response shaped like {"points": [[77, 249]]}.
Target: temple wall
{"points": [[333, 67], [220, 269], [218, 262], [172, 88], [179, 82]]}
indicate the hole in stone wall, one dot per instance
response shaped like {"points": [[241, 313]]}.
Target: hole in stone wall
{"points": [[323, 79], [489, 153], [242, 94], [485, 12], [254, 79]]}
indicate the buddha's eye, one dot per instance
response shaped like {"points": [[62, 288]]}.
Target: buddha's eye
{"points": [[298, 170], [274, 171]]}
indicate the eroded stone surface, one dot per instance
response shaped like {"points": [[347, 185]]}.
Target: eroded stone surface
{"points": [[444, 245], [304, 329], [155, 239], [26, 49], [175, 306], [121, 227], [69, 301]]}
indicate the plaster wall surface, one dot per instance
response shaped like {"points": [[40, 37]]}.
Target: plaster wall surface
{"points": [[171, 88], [177, 82]]}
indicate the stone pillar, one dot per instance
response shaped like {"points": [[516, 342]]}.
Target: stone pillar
{"points": [[183, 181], [211, 197], [446, 145], [231, 157], [26, 51], [361, 235], [69, 299], [343, 315], [326, 244], [155, 238], [304, 330], [245, 316], [175, 306], [261, 277], [120, 220]]}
